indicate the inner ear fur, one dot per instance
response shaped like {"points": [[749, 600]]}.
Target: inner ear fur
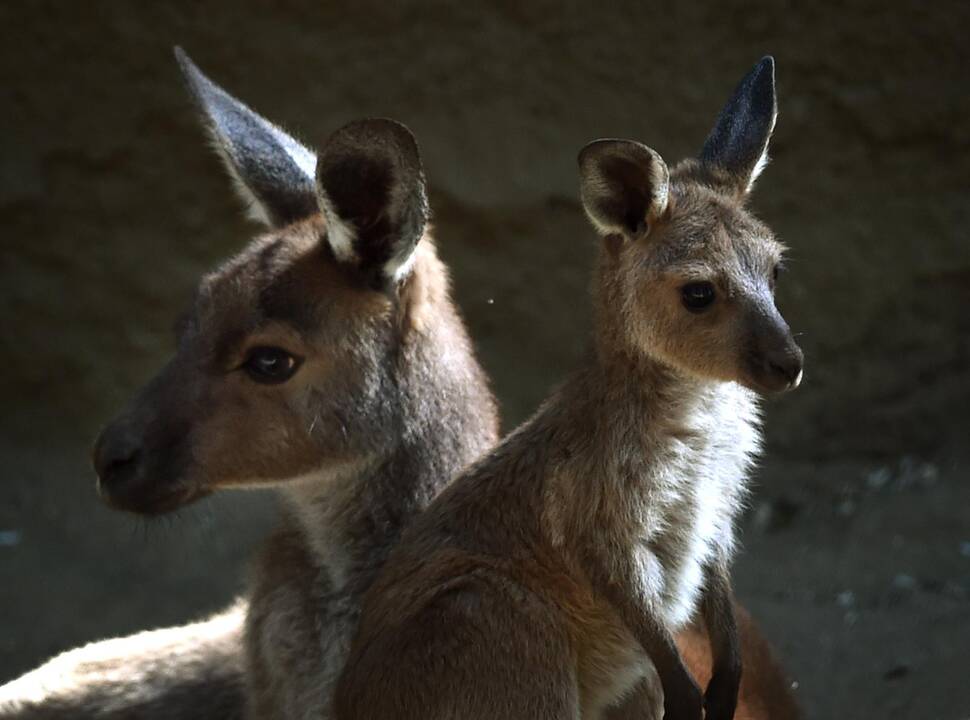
{"points": [[371, 188], [624, 186]]}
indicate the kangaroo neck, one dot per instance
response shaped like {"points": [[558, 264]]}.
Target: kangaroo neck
{"points": [[352, 515], [640, 400]]}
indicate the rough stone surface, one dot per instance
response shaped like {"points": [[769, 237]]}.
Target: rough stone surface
{"points": [[111, 207]]}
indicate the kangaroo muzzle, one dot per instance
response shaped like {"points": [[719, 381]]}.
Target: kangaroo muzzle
{"points": [[775, 362], [116, 458], [141, 458]]}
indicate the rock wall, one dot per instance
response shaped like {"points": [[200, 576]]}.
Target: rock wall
{"points": [[111, 206]]}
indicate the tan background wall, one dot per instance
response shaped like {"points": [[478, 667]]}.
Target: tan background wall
{"points": [[110, 208]]}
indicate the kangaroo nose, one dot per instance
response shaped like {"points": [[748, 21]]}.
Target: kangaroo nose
{"points": [[787, 365], [115, 456]]}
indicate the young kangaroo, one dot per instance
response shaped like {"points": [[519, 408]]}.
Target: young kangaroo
{"points": [[428, 383], [548, 580]]}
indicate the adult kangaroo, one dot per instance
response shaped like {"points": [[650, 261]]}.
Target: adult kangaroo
{"points": [[326, 359]]}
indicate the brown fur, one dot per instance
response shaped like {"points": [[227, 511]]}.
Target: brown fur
{"points": [[287, 290], [765, 688], [384, 404], [546, 582]]}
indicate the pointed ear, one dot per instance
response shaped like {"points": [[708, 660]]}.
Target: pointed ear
{"points": [[371, 188], [624, 186], [738, 144], [272, 172]]}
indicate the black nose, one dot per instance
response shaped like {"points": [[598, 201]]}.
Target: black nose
{"points": [[786, 365], [115, 456]]}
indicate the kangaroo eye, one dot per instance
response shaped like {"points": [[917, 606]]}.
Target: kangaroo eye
{"points": [[697, 296], [270, 365]]}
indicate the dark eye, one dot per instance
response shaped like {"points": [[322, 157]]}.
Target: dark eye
{"points": [[270, 365], [697, 296]]}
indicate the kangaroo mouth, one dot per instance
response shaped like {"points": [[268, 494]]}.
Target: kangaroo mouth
{"points": [[146, 496], [141, 478], [770, 386], [770, 376]]}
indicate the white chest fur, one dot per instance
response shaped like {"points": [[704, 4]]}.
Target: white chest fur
{"points": [[697, 486], [664, 484]]}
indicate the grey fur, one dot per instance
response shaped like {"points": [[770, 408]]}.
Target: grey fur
{"points": [[273, 170], [191, 671], [738, 143]]}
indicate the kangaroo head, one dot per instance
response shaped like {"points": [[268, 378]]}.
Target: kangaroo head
{"points": [[286, 360], [687, 273]]}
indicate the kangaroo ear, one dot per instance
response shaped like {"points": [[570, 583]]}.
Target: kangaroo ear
{"points": [[623, 185], [738, 144], [371, 188], [272, 172]]}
